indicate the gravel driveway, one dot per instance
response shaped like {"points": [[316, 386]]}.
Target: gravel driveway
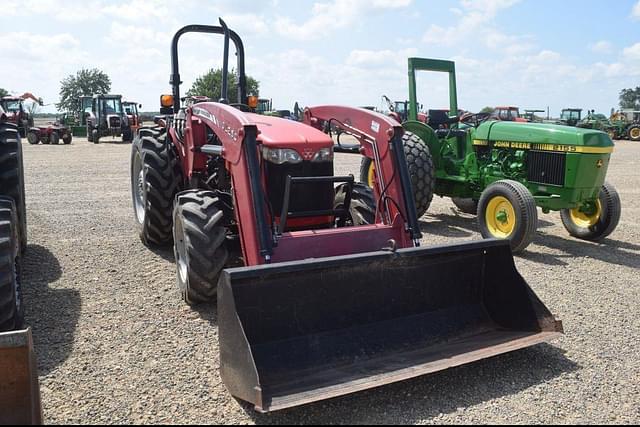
{"points": [[116, 344]]}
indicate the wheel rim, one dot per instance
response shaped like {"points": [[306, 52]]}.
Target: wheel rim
{"points": [[500, 217], [139, 189], [181, 252], [612, 135], [635, 133], [371, 175], [586, 219]]}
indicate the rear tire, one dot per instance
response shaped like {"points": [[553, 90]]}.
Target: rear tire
{"points": [[634, 133], [600, 225], [199, 245], [468, 206], [11, 308], [507, 210], [89, 134], [155, 181], [421, 171], [362, 209], [12, 176]]}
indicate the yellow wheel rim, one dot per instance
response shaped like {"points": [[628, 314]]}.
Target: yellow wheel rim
{"points": [[500, 217], [635, 133], [585, 220], [612, 135], [371, 176]]}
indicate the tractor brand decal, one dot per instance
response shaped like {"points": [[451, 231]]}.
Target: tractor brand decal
{"points": [[307, 154], [375, 126], [229, 130], [560, 148], [204, 113]]}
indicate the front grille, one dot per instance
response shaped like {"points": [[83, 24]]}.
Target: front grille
{"points": [[546, 168], [114, 122], [304, 197]]}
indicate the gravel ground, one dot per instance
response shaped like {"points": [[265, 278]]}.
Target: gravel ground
{"points": [[115, 343]]}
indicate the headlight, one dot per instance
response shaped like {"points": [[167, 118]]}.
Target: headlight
{"points": [[281, 155], [324, 155]]}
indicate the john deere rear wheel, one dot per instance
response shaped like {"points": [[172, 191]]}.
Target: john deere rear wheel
{"points": [[421, 171], [11, 309], [507, 210], [155, 181], [597, 220], [362, 208], [634, 133], [199, 245]]}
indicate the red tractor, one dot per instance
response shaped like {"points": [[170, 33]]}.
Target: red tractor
{"points": [[15, 112], [507, 114], [131, 110], [322, 288]]}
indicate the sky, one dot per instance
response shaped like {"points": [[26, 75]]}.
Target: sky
{"points": [[534, 54]]}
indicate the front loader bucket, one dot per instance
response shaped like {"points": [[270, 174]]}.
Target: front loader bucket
{"points": [[19, 390], [298, 332]]}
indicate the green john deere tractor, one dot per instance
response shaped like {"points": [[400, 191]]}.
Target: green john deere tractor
{"points": [[503, 171]]}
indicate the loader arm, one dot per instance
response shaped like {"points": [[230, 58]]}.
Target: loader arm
{"points": [[380, 140]]}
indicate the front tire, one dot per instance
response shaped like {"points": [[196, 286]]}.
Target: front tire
{"points": [[32, 137], [11, 308], [634, 133], [67, 138], [421, 171], [199, 245], [507, 210], [600, 223], [362, 207], [155, 181]]}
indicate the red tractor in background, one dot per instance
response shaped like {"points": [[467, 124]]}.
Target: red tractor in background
{"points": [[333, 293], [133, 114], [15, 112], [507, 114]]}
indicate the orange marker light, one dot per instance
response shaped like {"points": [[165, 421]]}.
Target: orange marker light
{"points": [[166, 100], [252, 101]]}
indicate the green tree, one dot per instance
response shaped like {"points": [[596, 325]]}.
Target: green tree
{"points": [[630, 98], [84, 83], [3, 92], [487, 110], [210, 83]]}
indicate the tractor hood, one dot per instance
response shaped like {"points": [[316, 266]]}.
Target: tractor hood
{"points": [[283, 133], [543, 136]]}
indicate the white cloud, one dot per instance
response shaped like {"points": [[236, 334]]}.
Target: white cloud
{"points": [[632, 52], [603, 47], [373, 58], [336, 14], [635, 13], [475, 22]]}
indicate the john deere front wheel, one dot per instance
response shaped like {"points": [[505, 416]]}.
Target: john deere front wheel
{"points": [[507, 210], [634, 133], [594, 221]]}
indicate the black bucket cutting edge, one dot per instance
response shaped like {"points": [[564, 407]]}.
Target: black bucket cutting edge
{"points": [[298, 332]]}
